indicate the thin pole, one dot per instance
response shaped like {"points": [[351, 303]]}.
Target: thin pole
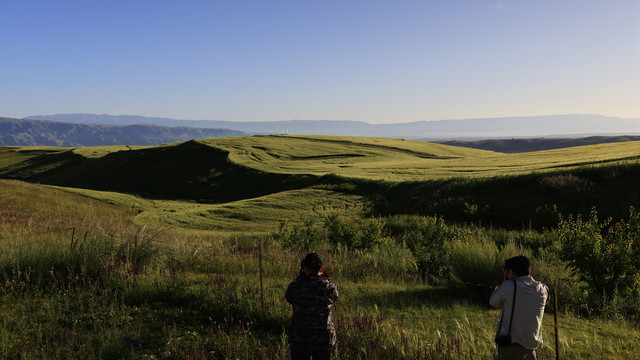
{"points": [[135, 254], [260, 265], [555, 313]]}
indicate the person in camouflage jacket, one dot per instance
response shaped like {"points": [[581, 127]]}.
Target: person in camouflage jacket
{"points": [[312, 334]]}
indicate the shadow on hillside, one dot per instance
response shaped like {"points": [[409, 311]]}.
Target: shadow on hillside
{"points": [[187, 170], [522, 202]]}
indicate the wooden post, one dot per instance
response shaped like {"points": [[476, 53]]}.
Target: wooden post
{"points": [[134, 262], [555, 313], [260, 265]]}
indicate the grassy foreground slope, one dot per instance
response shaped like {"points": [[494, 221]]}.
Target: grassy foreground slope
{"points": [[114, 290]]}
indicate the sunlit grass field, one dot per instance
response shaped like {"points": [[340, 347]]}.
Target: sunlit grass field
{"points": [[11, 155], [100, 151], [373, 158], [261, 215], [400, 160]]}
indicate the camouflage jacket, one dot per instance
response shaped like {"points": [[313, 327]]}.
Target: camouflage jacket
{"points": [[312, 322]]}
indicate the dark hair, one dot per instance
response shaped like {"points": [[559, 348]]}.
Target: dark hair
{"points": [[313, 262], [519, 264]]}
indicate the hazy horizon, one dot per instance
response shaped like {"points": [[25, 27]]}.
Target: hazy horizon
{"points": [[32, 116], [374, 61], [536, 126]]}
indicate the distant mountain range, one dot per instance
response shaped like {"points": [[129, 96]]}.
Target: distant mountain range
{"points": [[17, 132], [517, 134], [509, 127]]}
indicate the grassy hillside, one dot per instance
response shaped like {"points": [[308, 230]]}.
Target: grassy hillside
{"points": [[37, 208], [185, 170], [398, 160], [524, 201], [387, 176], [261, 215], [355, 158], [113, 289]]}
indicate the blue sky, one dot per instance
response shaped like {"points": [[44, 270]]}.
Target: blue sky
{"points": [[374, 61]]}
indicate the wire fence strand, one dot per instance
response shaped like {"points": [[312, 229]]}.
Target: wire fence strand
{"points": [[33, 234]]}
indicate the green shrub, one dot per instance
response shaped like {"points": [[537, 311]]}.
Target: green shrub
{"points": [[307, 236], [536, 241], [372, 234], [604, 255], [335, 231], [476, 262], [426, 237], [338, 232], [558, 276]]}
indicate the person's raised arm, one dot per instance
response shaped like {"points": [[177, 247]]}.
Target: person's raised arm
{"points": [[498, 298]]}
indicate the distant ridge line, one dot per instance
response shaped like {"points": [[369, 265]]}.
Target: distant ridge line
{"points": [[511, 146], [20, 132], [569, 125]]}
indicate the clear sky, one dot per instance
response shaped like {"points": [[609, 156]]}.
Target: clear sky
{"points": [[369, 60]]}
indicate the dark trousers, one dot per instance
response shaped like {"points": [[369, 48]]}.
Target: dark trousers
{"points": [[303, 353], [516, 352]]}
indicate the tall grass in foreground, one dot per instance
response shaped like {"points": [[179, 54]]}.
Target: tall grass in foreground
{"points": [[210, 308], [111, 290]]}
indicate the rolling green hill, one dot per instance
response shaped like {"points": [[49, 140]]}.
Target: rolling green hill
{"points": [[390, 175], [188, 170], [356, 158], [398, 160]]}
